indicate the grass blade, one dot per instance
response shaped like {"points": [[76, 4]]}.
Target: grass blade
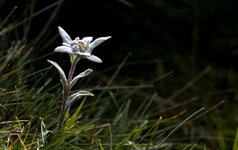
{"points": [[176, 128]]}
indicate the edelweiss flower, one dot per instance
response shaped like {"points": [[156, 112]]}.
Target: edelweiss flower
{"points": [[82, 48]]}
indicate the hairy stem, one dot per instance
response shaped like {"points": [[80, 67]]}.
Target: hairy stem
{"points": [[66, 92], [62, 112]]}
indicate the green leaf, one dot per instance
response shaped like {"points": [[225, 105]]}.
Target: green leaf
{"points": [[235, 145], [76, 96], [61, 72], [5, 20], [70, 122], [82, 74]]}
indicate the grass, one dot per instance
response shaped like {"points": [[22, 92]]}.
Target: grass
{"points": [[119, 116]]}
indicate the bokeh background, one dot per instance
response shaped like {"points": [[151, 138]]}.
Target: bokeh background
{"points": [[196, 39]]}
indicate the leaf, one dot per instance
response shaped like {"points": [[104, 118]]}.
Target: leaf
{"points": [[70, 122], [61, 72], [5, 20], [76, 96], [235, 145], [82, 74]]}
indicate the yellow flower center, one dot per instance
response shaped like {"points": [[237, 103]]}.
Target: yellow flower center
{"points": [[82, 47]]}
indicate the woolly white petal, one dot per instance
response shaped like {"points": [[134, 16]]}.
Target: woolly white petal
{"points": [[66, 38], [94, 59], [66, 44], [87, 39], [82, 54], [63, 49], [98, 41]]}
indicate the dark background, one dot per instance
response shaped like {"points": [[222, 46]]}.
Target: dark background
{"points": [[199, 32], [185, 36]]}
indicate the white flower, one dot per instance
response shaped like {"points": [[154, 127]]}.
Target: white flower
{"points": [[82, 48], [70, 46]]}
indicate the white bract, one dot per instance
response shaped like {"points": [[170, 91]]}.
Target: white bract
{"points": [[81, 48]]}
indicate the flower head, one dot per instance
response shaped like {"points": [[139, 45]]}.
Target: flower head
{"points": [[81, 48]]}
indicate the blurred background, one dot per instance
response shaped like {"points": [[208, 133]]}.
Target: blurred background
{"points": [[195, 41]]}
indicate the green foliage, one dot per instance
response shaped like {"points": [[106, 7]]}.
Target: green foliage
{"points": [[235, 146]]}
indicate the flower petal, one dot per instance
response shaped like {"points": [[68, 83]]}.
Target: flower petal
{"points": [[88, 39], [63, 49], [61, 72], [82, 74], [98, 41], [94, 59], [82, 54], [66, 38], [66, 44]]}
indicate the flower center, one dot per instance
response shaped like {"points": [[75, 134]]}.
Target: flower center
{"points": [[82, 46]]}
